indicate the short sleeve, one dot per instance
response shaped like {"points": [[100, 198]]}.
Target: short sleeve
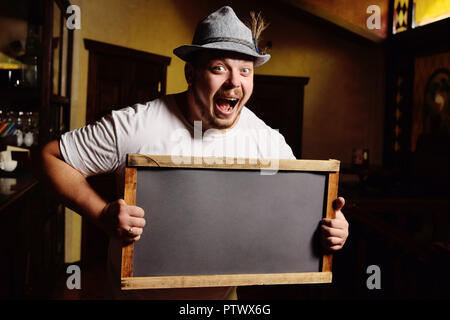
{"points": [[283, 150], [91, 149]]}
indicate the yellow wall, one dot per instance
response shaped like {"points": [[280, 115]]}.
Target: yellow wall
{"points": [[427, 11], [343, 100]]}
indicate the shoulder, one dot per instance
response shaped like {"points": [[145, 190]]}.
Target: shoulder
{"points": [[159, 104], [141, 112], [251, 120], [252, 123]]}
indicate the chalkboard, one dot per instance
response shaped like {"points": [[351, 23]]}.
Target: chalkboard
{"points": [[224, 222]]}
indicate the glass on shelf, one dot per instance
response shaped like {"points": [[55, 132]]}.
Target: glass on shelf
{"points": [[19, 121], [31, 128], [31, 57], [11, 116], [31, 72], [19, 128]]}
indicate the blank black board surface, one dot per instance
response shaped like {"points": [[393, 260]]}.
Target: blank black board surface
{"points": [[216, 222], [227, 222]]}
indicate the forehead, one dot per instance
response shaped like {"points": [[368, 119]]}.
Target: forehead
{"points": [[206, 56]]}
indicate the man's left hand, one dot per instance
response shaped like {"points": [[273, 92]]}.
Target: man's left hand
{"points": [[334, 232]]}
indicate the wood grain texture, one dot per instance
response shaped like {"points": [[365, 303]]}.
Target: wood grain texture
{"points": [[139, 160], [333, 181], [130, 199], [137, 283], [17, 195], [135, 161], [110, 49]]}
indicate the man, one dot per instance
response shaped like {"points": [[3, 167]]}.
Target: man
{"points": [[219, 73]]}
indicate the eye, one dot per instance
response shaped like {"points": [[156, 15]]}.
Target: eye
{"points": [[219, 68], [246, 70]]}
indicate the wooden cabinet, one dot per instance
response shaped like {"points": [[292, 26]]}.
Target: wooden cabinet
{"points": [[119, 77], [32, 240]]}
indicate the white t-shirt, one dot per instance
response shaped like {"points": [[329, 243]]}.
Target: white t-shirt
{"points": [[159, 128]]}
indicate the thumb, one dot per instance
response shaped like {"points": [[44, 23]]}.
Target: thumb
{"points": [[338, 203]]}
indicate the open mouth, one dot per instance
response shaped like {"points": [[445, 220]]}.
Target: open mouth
{"points": [[226, 105]]}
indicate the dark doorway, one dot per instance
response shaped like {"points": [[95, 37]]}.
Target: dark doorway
{"points": [[117, 77], [278, 101], [120, 77]]}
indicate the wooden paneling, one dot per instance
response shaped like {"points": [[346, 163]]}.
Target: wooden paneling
{"points": [[120, 77]]}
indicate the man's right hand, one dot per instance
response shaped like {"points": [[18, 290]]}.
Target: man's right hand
{"points": [[117, 218], [123, 221]]}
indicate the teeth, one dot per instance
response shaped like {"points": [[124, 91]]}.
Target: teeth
{"points": [[233, 102]]}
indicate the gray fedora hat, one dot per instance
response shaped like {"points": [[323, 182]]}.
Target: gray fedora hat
{"points": [[222, 30]]}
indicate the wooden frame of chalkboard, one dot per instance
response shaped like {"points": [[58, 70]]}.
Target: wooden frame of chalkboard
{"points": [[136, 162]]}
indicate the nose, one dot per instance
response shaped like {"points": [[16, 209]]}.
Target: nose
{"points": [[233, 80]]}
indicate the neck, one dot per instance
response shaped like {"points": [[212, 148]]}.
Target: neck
{"points": [[182, 101], [190, 110]]}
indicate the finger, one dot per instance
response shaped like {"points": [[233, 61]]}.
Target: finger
{"points": [[335, 248], [334, 241], [340, 215], [136, 222], [339, 203], [335, 223], [131, 240], [327, 246], [133, 232], [135, 211], [129, 209], [333, 232]]}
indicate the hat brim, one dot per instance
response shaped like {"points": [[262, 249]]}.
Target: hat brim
{"points": [[184, 52]]}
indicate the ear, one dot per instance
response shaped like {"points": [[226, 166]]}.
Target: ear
{"points": [[189, 73]]}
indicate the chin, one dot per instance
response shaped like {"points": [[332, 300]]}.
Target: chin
{"points": [[224, 123]]}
